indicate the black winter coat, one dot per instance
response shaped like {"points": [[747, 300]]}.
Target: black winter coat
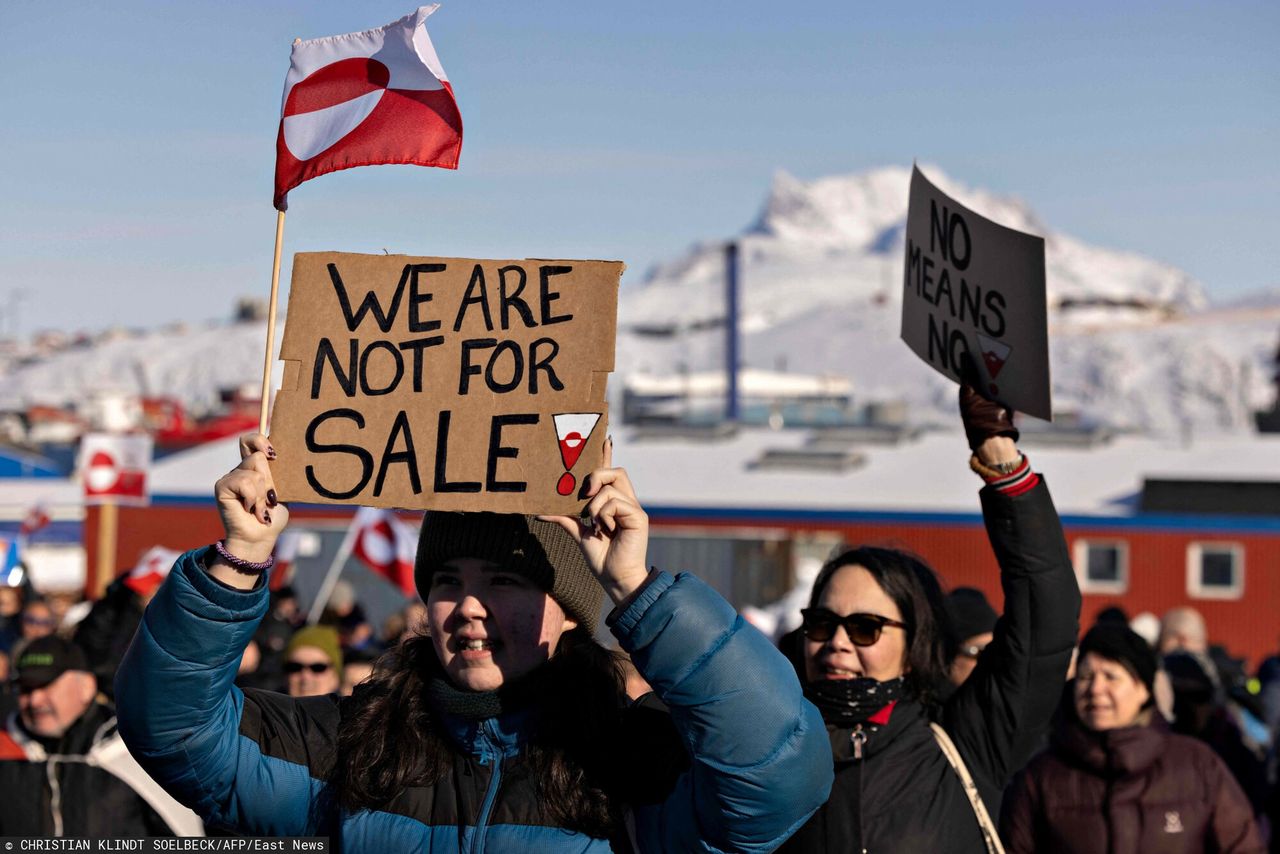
{"points": [[61, 795], [105, 632], [902, 795]]}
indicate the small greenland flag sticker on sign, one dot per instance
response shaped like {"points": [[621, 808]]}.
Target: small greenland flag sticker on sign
{"points": [[572, 431]]}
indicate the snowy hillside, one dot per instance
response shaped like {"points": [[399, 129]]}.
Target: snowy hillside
{"points": [[838, 239], [188, 363], [821, 278], [1133, 344]]}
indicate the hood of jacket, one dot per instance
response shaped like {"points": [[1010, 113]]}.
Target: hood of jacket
{"points": [[1127, 751]]}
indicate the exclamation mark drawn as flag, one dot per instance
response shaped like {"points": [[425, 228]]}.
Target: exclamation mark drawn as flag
{"points": [[572, 431], [994, 355]]}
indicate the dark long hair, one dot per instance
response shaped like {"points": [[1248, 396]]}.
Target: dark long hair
{"points": [[389, 740], [913, 586]]}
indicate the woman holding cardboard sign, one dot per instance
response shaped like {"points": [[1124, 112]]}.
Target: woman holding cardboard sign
{"points": [[506, 727], [914, 771]]}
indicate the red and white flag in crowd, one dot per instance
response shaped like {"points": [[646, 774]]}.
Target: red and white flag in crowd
{"points": [[387, 545], [146, 578], [285, 553], [380, 96], [114, 468], [37, 517]]}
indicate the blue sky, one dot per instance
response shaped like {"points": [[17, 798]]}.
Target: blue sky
{"points": [[137, 148]]}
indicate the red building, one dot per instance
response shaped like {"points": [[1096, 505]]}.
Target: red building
{"points": [[1151, 525]]}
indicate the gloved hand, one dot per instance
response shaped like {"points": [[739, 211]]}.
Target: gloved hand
{"points": [[983, 418]]}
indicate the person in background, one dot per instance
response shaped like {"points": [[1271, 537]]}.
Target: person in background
{"points": [[357, 667], [105, 633], [11, 601], [1147, 626], [1116, 779], [63, 769], [8, 690], [313, 662], [38, 621], [1200, 710], [971, 622], [1183, 630], [1112, 615], [263, 666]]}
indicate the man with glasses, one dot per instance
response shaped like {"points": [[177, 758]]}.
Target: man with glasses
{"points": [[313, 662]]}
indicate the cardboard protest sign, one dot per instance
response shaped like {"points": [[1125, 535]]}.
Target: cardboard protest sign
{"points": [[444, 383], [974, 287]]}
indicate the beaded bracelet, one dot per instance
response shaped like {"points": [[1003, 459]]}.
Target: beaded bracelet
{"points": [[239, 564]]}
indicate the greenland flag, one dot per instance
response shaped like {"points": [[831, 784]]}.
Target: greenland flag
{"points": [[379, 96], [386, 545]]}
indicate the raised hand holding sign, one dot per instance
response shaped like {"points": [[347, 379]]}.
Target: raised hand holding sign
{"points": [[444, 383]]}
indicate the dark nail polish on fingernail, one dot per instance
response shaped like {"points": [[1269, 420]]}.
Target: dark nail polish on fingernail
{"points": [[271, 453], [271, 498], [266, 515]]}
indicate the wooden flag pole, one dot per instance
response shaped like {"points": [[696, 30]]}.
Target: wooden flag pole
{"points": [[108, 531], [268, 359]]}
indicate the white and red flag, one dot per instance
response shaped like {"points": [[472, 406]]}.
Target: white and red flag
{"points": [[380, 96], [151, 571], [37, 517], [286, 555], [113, 468], [387, 545]]}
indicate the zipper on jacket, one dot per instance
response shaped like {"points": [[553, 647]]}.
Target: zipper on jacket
{"points": [[55, 795], [491, 793], [859, 739]]}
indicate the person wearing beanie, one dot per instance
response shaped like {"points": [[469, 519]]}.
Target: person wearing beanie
{"points": [[1115, 778], [313, 662], [971, 625], [504, 724]]}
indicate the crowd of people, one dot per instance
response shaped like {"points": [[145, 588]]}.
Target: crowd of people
{"points": [[899, 717]]}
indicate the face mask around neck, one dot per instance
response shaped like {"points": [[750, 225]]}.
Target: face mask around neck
{"points": [[850, 701]]}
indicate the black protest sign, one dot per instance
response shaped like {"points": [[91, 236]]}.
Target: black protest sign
{"points": [[974, 287], [444, 383]]}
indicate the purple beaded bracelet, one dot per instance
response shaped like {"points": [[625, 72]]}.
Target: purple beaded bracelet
{"points": [[239, 564]]}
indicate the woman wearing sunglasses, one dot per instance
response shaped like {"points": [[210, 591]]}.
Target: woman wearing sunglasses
{"points": [[875, 664], [505, 727]]}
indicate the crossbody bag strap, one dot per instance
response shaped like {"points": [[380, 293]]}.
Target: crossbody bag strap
{"points": [[989, 834]]}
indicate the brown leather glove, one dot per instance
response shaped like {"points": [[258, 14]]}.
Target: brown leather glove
{"points": [[982, 418]]}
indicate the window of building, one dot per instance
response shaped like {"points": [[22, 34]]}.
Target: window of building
{"points": [[1215, 570], [1102, 566]]}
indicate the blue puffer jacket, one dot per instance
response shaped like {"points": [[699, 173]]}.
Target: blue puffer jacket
{"points": [[758, 759]]}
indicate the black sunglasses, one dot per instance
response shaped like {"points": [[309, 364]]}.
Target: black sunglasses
{"points": [[292, 667], [863, 629]]}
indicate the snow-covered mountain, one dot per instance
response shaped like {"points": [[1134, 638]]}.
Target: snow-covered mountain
{"points": [[839, 239], [1134, 343]]}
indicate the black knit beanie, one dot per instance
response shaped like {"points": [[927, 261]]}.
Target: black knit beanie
{"points": [[541, 551], [1126, 647], [969, 614]]}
